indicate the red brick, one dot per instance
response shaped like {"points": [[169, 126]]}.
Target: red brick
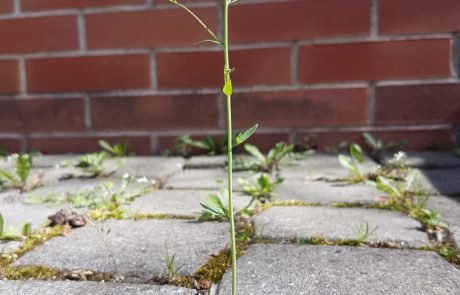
{"points": [[28, 115], [154, 112], [36, 5], [204, 69], [297, 20], [410, 139], [9, 76], [167, 27], [419, 139], [375, 61], [88, 73], [162, 2], [301, 108], [10, 145], [6, 6], [61, 145], [419, 104], [51, 33], [422, 16]]}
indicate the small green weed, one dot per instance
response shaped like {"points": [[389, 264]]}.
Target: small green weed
{"points": [[185, 143], [266, 163], [171, 267], [115, 150], [363, 232], [21, 177], [94, 164], [353, 163], [339, 148], [262, 190], [11, 234], [377, 146]]}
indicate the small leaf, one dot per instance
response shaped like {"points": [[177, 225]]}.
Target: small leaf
{"points": [[26, 229], [106, 146], [215, 207], [357, 152], [253, 150], [1, 225], [23, 166], [210, 41], [228, 89], [242, 137], [346, 162], [7, 176]]}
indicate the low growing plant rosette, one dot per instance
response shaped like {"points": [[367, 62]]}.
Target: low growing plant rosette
{"points": [[214, 205]]}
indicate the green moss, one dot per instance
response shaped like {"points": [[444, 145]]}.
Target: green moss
{"points": [[31, 272], [139, 216], [322, 241], [214, 269], [289, 203], [346, 205]]}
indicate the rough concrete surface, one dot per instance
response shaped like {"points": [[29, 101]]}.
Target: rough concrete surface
{"points": [[90, 288], [327, 192], [328, 270], [139, 247], [180, 202], [339, 223]]}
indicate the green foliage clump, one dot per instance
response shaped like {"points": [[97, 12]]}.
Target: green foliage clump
{"points": [[19, 177], [261, 191], [266, 163], [115, 150]]}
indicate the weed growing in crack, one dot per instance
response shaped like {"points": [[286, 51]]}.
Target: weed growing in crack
{"points": [[11, 234], [265, 163], [104, 235], [242, 137], [262, 191], [21, 177], [337, 149], [377, 146], [115, 150], [171, 267], [211, 146], [353, 163], [363, 232]]}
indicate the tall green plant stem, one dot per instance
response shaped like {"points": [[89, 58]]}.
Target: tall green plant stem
{"points": [[227, 72]]}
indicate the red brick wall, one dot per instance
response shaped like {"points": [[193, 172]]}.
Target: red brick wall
{"points": [[75, 71]]}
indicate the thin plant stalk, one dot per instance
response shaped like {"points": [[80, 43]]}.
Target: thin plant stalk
{"points": [[227, 72]]}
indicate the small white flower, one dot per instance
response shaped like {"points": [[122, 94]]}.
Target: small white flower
{"points": [[142, 180], [126, 175]]}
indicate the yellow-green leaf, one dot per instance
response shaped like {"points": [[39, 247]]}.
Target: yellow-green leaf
{"points": [[228, 89]]}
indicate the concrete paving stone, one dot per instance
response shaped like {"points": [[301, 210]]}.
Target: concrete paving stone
{"points": [[339, 223], [68, 186], [441, 181], [208, 162], [151, 167], [180, 202], [327, 192], [321, 166], [49, 161], [210, 179], [8, 246], [332, 270], [428, 159], [93, 288], [10, 196], [16, 214], [138, 247], [449, 207]]}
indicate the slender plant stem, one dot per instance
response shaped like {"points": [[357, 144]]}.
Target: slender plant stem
{"points": [[229, 149]]}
